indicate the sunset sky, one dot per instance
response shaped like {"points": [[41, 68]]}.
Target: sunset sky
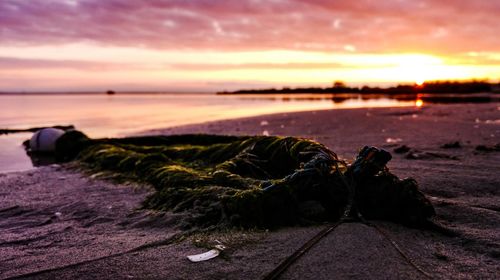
{"points": [[209, 45]]}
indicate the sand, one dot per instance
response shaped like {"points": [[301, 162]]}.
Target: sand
{"points": [[57, 222]]}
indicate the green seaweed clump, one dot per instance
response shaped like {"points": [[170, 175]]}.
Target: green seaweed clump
{"points": [[218, 179], [249, 181]]}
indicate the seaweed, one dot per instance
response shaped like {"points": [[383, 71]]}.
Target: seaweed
{"points": [[248, 181]]}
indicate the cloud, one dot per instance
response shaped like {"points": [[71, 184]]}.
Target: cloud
{"points": [[473, 58], [272, 66], [12, 63], [227, 66], [365, 25]]}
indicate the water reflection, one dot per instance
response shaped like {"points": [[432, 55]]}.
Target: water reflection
{"points": [[372, 98], [419, 102], [124, 114]]}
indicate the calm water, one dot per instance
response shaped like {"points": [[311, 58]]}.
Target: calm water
{"points": [[100, 115]]}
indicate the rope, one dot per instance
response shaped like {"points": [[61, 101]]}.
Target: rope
{"points": [[350, 214], [280, 269], [400, 251], [275, 274]]}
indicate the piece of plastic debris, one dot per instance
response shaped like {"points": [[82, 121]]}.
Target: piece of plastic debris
{"points": [[492, 121], [393, 140], [207, 255], [265, 133], [97, 175]]}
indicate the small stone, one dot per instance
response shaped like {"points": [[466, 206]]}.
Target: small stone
{"points": [[401, 149], [452, 145]]}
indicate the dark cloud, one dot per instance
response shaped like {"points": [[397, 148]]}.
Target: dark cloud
{"points": [[371, 26]]}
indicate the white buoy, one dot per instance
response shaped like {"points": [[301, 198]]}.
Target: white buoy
{"points": [[45, 139]]}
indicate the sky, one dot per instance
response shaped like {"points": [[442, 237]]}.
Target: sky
{"points": [[210, 45]]}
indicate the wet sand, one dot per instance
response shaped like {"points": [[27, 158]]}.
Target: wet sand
{"points": [[59, 223]]}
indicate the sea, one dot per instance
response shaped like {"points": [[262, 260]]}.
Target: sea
{"points": [[123, 114]]}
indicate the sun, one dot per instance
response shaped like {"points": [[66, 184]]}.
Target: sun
{"points": [[419, 82]]}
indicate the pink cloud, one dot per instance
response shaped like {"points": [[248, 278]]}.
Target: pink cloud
{"points": [[370, 26], [10, 63], [226, 66]]}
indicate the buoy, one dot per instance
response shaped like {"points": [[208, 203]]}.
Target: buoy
{"points": [[45, 139]]}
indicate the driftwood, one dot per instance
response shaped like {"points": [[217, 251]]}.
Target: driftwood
{"points": [[34, 129]]}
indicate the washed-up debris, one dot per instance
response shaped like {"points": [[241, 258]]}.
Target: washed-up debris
{"points": [[207, 255], [45, 139], [452, 145], [416, 154], [35, 129], [410, 153], [485, 148], [393, 140], [248, 181], [402, 149], [492, 121]]}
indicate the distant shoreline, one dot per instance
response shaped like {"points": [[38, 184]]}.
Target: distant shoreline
{"points": [[100, 92], [436, 87]]}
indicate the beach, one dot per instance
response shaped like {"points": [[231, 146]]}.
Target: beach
{"points": [[57, 222]]}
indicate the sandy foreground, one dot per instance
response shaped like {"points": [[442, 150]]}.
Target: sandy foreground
{"points": [[59, 223]]}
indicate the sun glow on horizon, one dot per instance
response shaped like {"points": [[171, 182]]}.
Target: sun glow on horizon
{"points": [[47, 68], [79, 45]]}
